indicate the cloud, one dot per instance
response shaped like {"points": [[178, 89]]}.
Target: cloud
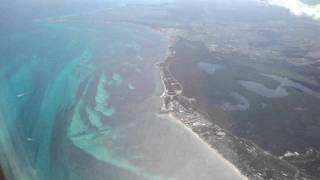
{"points": [[298, 8]]}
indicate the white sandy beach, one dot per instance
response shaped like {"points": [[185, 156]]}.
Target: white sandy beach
{"points": [[229, 167]]}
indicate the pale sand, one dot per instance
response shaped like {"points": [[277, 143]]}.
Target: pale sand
{"points": [[170, 150], [234, 171], [206, 145]]}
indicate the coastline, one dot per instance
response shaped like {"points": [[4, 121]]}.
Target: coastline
{"points": [[214, 151], [172, 39], [242, 155]]}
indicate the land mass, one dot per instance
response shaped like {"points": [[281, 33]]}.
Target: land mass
{"points": [[250, 159]]}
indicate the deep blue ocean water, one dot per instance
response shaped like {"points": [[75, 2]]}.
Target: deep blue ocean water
{"points": [[65, 88]]}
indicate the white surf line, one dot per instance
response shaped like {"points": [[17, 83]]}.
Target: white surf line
{"points": [[22, 94], [228, 163]]}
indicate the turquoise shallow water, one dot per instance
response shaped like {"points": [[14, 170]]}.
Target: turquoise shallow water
{"points": [[63, 88], [79, 100]]}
